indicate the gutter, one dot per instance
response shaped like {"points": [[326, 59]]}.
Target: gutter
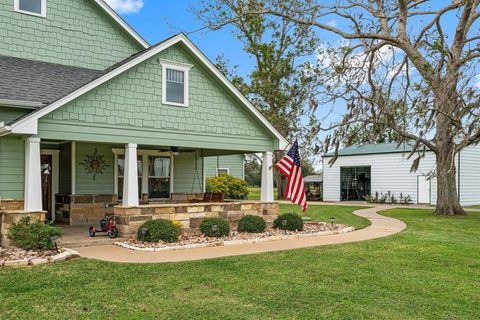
{"points": [[4, 130], [21, 104]]}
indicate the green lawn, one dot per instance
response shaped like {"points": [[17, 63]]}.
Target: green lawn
{"points": [[254, 193], [342, 214], [429, 271]]}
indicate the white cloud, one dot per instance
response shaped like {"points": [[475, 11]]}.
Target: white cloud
{"points": [[357, 64], [332, 23], [125, 6]]}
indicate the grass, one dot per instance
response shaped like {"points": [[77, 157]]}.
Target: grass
{"points": [[254, 193], [429, 271], [342, 214]]}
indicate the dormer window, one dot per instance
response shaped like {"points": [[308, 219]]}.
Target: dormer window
{"points": [[32, 7], [175, 83]]}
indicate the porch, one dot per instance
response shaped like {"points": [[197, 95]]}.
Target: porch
{"points": [[190, 215], [78, 183]]}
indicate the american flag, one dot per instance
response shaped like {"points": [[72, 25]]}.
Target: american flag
{"points": [[289, 166]]}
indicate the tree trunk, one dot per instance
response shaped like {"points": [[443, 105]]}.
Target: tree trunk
{"points": [[447, 195]]}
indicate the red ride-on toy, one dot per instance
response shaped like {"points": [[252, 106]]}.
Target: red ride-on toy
{"points": [[106, 225]]}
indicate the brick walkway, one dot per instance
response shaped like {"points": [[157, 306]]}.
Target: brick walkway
{"points": [[381, 227]]}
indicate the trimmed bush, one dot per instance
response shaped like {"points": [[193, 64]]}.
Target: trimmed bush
{"points": [[231, 187], [36, 235], [159, 229], [215, 227], [288, 221], [252, 224]]}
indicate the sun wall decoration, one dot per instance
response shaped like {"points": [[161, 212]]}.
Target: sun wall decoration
{"points": [[94, 164]]}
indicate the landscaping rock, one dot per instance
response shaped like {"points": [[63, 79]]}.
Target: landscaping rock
{"points": [[198, 240], [35, 262], [20, 257]]}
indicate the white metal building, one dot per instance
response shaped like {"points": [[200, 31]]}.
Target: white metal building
{"points": [[363, 170]]}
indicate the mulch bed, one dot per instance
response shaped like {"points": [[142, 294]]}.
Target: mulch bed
{"points": [[197, 238]]}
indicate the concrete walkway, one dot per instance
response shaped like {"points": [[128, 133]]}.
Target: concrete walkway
{"points": [[381, 227]]}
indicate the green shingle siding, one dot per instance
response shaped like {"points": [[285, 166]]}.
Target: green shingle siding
{"points": [[129, 108], [12, 171], [75, 32]]}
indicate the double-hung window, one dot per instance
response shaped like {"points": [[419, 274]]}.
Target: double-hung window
{"points": [[31, 7], [120, 168], [158, 177], [175, 83], [154, 173]]}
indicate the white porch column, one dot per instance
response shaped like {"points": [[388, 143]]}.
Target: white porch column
{"points": [[33, 176], [130, 176], [266, 193]]}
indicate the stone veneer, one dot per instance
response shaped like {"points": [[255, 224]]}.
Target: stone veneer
{"points": [[190, 215], [9, 217], [83, 209], [10, 204], [10, 212]]}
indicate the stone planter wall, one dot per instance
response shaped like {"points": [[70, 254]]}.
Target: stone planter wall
{"points": [[83, 209], [9, 217], [11, 205], [190, 215]]}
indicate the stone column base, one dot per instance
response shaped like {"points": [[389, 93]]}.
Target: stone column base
{"points": [[8, 218]]}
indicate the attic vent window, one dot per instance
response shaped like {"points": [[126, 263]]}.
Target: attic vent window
{"points": [[175, 83], [31, 7]]}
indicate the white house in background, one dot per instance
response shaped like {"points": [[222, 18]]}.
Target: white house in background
{"points": [[362, 170]]}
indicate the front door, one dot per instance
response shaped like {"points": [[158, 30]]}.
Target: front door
{"points": [[423, 190], [47, 192]]}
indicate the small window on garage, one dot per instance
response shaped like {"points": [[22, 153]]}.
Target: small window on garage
{"points": [[31, 7], [175, 83], [223, 171]]}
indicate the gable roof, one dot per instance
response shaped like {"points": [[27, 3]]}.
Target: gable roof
{"points": [[122, 23], [46, 83], [378, 148], [28, 124]]}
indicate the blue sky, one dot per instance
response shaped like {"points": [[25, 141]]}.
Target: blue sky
{"points": [[156, 20], [159, 19]]}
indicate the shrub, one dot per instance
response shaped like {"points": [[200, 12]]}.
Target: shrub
{"points": [[215, 227], [159, 229], [252, 224], [36, 235], [288, 221], [231, 187]]}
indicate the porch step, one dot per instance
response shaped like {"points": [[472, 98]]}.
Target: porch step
{"points": [[77, 236], [88, 242]]}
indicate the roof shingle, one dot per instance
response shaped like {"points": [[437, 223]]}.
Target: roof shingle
{"points": [[41, 82]]}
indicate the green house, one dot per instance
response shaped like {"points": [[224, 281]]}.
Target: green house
{"points": [[92, 114]]}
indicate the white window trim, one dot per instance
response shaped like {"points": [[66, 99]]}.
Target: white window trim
{"points": [[145, 154], [43, 9], [226, 169], [185, 68]]}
